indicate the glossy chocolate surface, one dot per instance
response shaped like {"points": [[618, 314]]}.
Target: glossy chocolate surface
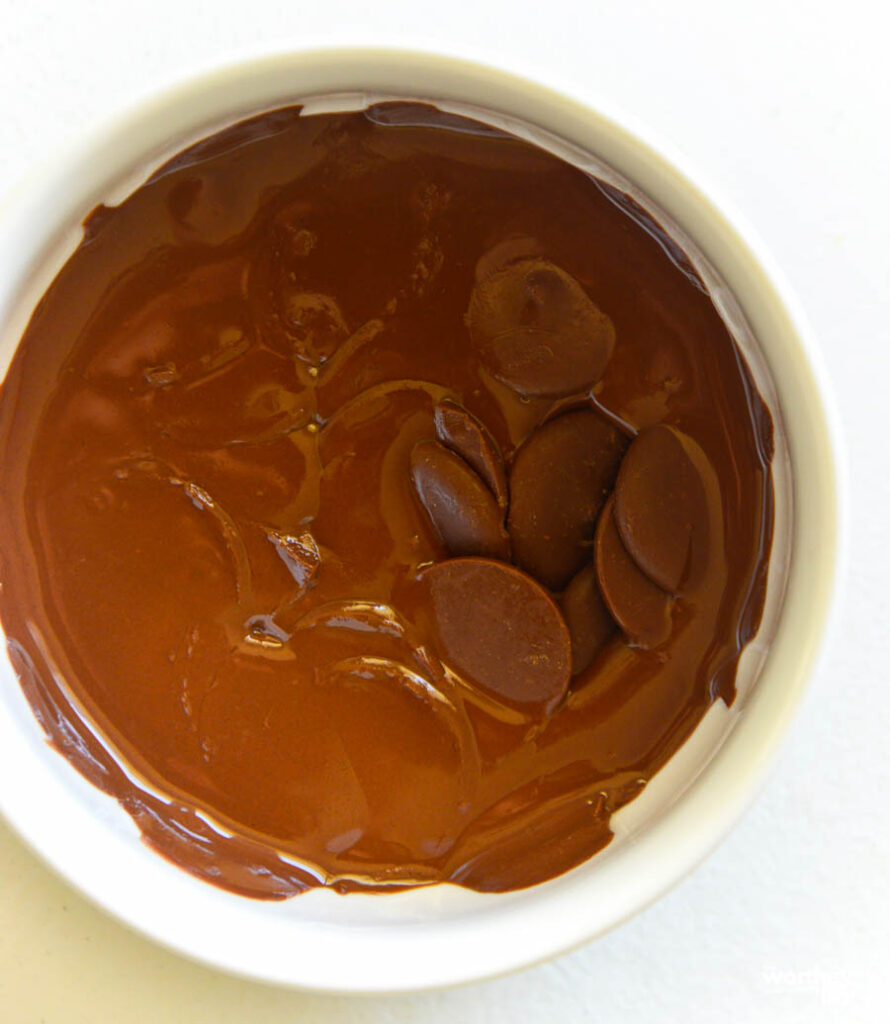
{"points": [[258, 434]]}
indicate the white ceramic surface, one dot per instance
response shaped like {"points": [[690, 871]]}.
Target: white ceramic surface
{"points": [[443, 935]]}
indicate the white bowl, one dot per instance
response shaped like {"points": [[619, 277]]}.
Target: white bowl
{"points": [[442, 935]]}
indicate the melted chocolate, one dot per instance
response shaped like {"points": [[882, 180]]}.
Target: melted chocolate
{"points": [[214, 548]]}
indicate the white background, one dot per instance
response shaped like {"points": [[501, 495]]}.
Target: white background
{"points": [[785, 104]]}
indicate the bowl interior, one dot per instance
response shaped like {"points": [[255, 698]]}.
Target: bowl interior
{"points": [[443, 934]]}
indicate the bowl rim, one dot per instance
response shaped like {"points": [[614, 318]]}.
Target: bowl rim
{"points": [[498, 941]]}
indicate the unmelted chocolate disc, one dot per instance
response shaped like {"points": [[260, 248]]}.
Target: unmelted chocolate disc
{"points": [[500, 631], [640, 608], [538, 331], [559, 481], [460, 507], [460, 431], [587, 617], [660, 506]]}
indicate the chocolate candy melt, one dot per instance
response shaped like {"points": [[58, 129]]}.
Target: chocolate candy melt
{"points": [[538, 331], [501, 631], [559, 481], [252, 421], [639, 607], [464, 434], [660, 506], [462, 510], [589, 622]]}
